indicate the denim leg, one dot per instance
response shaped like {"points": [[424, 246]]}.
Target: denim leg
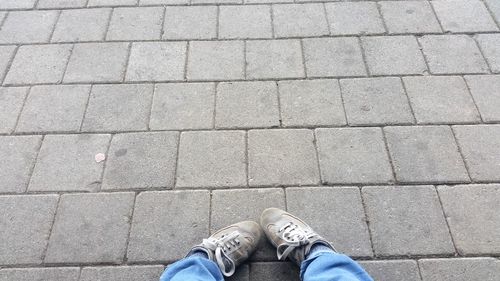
{"points": [[192, 269], [328, 266]]}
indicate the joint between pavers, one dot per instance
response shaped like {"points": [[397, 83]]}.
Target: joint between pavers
{"points": [[389, 156], [176, 167], [66, 65], [245, 63], [473, 37], [408, 99], [55, 25], [490, 12], [108, 25], [279, 104], [4, 19], [162, 30], [436, 16], [271, 12], [303, 56], [186, 61], [9, 65], [21, 111], [367, 220], [125, 254], [462, 155], [86, 109], [446, 220], [247, 161], [127, 61], [426, 59], [44, 254], [316, 151], [382, 19], [473, 100], [106, 159], [32, 168]]}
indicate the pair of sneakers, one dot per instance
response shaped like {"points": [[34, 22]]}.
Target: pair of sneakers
{"points": [[232, 245]]}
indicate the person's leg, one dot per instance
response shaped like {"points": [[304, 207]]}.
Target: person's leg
{"points": [[193, 269], [332, 267]]}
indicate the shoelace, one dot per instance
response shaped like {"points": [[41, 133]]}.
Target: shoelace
{"points": [[294, 237], [222, 247]]}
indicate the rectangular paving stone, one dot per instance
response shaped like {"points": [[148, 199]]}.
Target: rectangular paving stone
{"points": [[97, 62], [50, 4], [274, 59], [122, 273], [190, 22], [472, 217], [178, 106], [425, 154], [242, 273], [485, 90], [54, 108], [463, 16], [400, 226], [489, 45], [69, 27], [103, 114], [354, 18], [135, 23], [17, 4], [294, 20], [156, 61], [494, 7], [93, 3], [409, 17], [367, 100], [333, 57], [35, 64], [215, 60], [40, 274], [347, 231], [353, 155], [11, 102], [460, 269], [141, 160], [90, 228], [305, 103], [392, 270], [66, 162], [274, 271], [167, 2], [440, 100], [442, 51], [282, 157], [194, 2], [247, 105], [28, 27], [6, 55], [25, 223], [163, 229], [252, 21], [212, 159]]}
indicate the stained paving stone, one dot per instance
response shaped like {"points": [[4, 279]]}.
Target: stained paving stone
{"points": [[11, 102], [441, 100], [18, 154], [354, 18], [400, 226], [135, 23], [212, 159], [122, 273], [442, 51], [252, 21], [54, 108], [460, 269], [50, 4], [347, 229], [139, 160], [190, 22], [276, 271], [425, 154], [494, 7], [178, 106], [154, 238], [17, 4], [66, 162], [489, 45], [274, 59], [69, 27], [28, 27], [93, 3], [392, 270], [103, 114], [367, 100], [463, 15], [40, 274], [90, 228], [485, 90], [215, 60], [292, 20], [282, 157], [25, 223], [247, 105], [409, 17], [6, 55], [352, 155], [473, 220], [311, 103]]}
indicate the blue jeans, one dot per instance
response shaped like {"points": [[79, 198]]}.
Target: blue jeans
{"points": [[321, 267]]}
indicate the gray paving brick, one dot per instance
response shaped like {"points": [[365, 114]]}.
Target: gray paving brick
{"points": [[161, 219], [54, 108], [470, 211], [293, 20], [156, 61], [274, 59], [2, 15], [167, 2], [392, 270], [94, 3], [282, 157], [440, 100], [122, 273], [11, 102], [212, 159], [6, 55], [242, 273], [311, 103], [215, 60], [485, 90], [395, 232], [409, 17], [276, 271], [97, 62], [50, 4], [489, 44], [333, 57], [252, 21], [90, 228], [38, 64], [353, 156], [393, 55], [461, 269], [442, 51], [348, 232], [178, 106], [190, 22], [494, 7], [247, 105], [216, 1], [141, 160], [480, 147], [354, 18], [366, 101], [66, 162], [135, 23], [25, 223], [69, 27], [28, 26], [134, 102], [17, 4], [463, 15], [40, 274], [425, 154], [267, 1]]}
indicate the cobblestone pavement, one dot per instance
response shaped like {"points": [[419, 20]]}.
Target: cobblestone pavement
{"points": [[377, 122]]}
